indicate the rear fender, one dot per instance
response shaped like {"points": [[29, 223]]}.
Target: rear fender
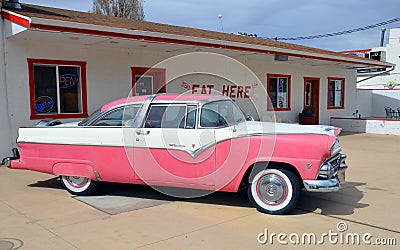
{"points": [[74, 169]]}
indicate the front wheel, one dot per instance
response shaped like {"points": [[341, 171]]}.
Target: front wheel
{"points": [[79, 185], [274, 191]]}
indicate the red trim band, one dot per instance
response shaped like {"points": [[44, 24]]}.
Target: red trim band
{"points": [[16, 19], [365, 119]]}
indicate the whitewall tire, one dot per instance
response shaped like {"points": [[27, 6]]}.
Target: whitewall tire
{"points": [[274, 191], [78, 185]]}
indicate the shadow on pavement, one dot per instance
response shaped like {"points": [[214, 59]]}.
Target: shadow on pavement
{"points": [[344, 202], [53, 183], [349, 133]]}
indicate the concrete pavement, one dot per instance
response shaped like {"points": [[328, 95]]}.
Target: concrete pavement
{"points": [[37, 214]]}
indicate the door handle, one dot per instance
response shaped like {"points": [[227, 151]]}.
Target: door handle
{"points": [[176, 145], [142, 132]]}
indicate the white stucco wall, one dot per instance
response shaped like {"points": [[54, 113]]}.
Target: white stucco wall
{"points": [[382, 98], [364, 102], [109, 77], [368, 126], [5, 133], [372, 103]]}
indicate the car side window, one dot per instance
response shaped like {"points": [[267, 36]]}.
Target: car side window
{"points": [[220, 114], [165, 116], [118, 117]]}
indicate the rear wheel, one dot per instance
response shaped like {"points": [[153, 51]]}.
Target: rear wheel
{"points": [[79, 185], [274, 191]]}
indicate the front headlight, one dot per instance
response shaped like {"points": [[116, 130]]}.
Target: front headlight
{"points": [[335, 149]]}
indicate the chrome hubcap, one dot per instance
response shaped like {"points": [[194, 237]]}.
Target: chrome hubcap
{"points": [[272, 189], [77, 181]]}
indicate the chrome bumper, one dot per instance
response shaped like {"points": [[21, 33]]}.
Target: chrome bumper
{"points": [[332, 175], [6, 162]]}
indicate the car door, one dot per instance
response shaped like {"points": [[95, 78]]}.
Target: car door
{"points": [[171, 150], [231, 141]]}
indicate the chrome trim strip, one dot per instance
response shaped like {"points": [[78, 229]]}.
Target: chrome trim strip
{"points": [[97, 175], [6, 162]]}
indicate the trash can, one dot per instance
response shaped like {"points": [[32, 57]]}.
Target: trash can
{"points": [[307, 117]]}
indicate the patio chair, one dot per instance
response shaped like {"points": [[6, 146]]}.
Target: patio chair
{"points": [[398, 113], [389, 112]]}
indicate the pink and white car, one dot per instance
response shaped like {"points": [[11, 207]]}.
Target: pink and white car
{"points": [[200, 142]]}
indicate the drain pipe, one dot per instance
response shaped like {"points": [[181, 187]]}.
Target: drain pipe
{"points": [[381, 73], [383, 36]]}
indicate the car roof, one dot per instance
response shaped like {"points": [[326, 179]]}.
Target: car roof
{"points": [[162, 97]]}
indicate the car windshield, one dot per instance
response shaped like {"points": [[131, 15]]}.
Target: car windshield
{"points": [[89, 118]]}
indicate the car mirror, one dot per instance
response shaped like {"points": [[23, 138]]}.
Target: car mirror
{"points": [[249, 118]]}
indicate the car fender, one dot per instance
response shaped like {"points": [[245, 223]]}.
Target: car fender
{"points": [[74, 169]]}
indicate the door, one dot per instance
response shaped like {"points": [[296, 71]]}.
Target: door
{"points": [[311, 96], [170, 149]]}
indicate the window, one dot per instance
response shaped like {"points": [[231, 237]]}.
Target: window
{"points": [[336, 93], [166, 116], [220, 114], [307, 95], [148, 81], [279, 92], [119, 117], [57, 89], [190, 122]]}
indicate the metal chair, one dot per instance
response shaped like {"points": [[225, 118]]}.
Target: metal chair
{"points": [[389, 112], [398, 113]]}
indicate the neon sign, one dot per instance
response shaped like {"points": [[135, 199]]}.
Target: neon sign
{"points": [[69, 81], [44, 104]]}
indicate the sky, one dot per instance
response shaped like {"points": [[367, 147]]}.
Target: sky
{"points": [[270, 18]]}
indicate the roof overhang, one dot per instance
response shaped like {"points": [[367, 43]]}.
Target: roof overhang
{"points": [[65, 27]]}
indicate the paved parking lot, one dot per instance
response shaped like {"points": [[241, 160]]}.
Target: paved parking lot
{"points": [[36, 213]]}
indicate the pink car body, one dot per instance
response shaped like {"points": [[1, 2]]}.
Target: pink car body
{"points": [[188, 141]]}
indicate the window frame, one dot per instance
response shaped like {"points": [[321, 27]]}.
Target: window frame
{"points": [[201, 109], [149, 72], [342, 94], [57, 63], [186, 105], [269, 103], [109, 112]]}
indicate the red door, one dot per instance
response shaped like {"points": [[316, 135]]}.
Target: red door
{"points": [[311, 96]]}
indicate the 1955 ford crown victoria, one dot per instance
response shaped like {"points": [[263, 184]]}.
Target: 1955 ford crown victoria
{"points": [[199, 142]]}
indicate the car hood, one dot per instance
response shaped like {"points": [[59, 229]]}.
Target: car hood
{"points": [[288, 128]]}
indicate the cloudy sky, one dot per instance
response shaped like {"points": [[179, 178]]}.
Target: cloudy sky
{"points": [[270, 18]]}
